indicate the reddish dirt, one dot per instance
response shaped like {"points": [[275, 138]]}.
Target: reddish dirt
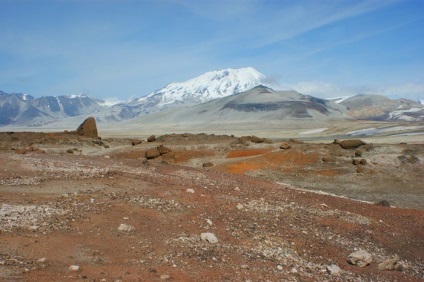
{"points": [[67, 208], [247, 153]]}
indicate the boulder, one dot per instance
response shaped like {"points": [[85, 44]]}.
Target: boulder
{"points": [[355, 161], [151, 138], [152, 154], [363, 162], [256, 139], [208, 164], [328, 159], [163, 150], [88, 128], [285, 146], [209, 237], [389, 264], [136, 141], [333, 269], [351, 144], [360, 258]]}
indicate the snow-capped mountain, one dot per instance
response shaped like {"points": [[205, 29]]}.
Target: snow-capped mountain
{"points": [[377, 107], [23, 109], [206, 87]]}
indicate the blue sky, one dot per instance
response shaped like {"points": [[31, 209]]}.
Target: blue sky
{"points": [[126, 49]]}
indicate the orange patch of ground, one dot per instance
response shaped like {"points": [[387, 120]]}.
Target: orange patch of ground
{"points": [[241, 168], [185, 156], [247, 153], [273, 161]]}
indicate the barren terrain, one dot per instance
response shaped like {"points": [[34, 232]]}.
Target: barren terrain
{"points": [[208, 208]]}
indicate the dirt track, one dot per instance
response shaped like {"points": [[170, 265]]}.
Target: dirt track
{"points": [[67, 208]]}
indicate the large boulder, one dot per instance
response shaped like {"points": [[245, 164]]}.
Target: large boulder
{"points": [[163, 149], [152, 154], [88, 128], [151, 138], [360, 258], [351, 144]]}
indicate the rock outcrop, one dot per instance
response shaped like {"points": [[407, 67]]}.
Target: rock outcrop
{"points": [[88, 128]]}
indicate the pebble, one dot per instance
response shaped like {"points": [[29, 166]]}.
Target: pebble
{"points": [[239, 206], [189, 190], [126, 227], [359, 258], [165, 277], [209, 237], [209, 221], [279, 267], [42, 260], [74, 268], [333, 269]]}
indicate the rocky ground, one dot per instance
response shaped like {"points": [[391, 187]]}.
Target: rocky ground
{"points": [[208, 208]]}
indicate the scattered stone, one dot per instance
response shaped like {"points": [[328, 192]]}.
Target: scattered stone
{"points": [[70, 151], [383, 203], [355, 162], [279, 267], [209, 237], [165, 277], [358, 153], [268, 141], [294, 270], [208, 164], [360, 169], [333, 269], [152, 154], [163, 150], [389, 264], [189, 190], [126, 227], [360, 258], [296, 141], [328, 159], [285, 146], [151, 138], [209, 221], [74, 268], [351, 144], [363, 162], [42, 260], [239, 206], [136, 141], [88, 128], [256, 139]]}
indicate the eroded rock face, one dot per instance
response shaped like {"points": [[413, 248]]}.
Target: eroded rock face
{"points": [[88, 128], [256, 139]]}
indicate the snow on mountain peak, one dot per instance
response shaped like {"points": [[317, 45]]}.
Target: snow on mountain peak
{"points": [[206, 87]]}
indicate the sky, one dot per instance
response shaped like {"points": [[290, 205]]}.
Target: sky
{"points": [[120, 50]]}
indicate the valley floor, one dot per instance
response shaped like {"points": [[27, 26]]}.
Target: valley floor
{"points": [[100, 205]]}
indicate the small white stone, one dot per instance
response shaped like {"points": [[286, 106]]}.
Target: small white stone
{"points": [[333, 269], [279, 267], [294, 270], [125, 218], [209, 221], [126, 227], [74, 268], [239, 206], [42, 260], [236, 189], [92, 201], [165, 277], [189, 190], [209, 237]]}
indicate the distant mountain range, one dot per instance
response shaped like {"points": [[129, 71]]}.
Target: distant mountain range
{"points": [[211, 96]]}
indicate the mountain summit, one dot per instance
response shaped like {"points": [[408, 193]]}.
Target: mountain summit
{"points": [[206, 87]]}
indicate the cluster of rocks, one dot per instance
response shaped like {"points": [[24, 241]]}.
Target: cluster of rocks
{"points": [[157, 152]]}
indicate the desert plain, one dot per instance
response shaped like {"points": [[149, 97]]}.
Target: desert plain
{"points": [[216, 202]]}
